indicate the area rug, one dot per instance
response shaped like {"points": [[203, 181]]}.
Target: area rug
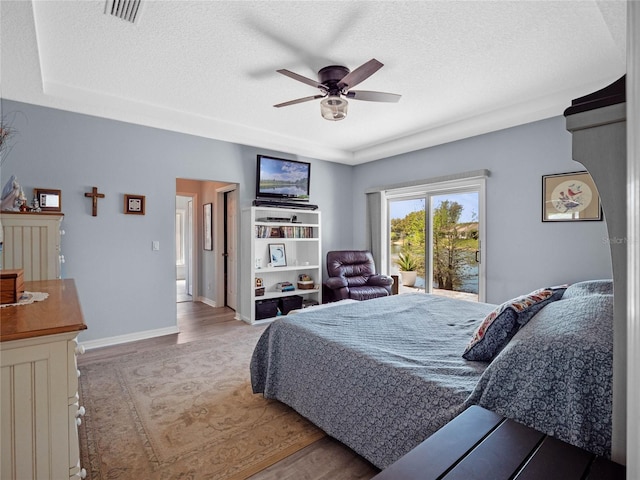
{"points": [[184, 412]]}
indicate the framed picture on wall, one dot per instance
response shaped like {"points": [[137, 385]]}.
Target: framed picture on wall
{"points": [[207, 227], [134, 204], [570, 197]]}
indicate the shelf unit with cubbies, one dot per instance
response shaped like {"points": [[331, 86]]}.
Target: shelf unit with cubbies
{"points": [[298, 231]]}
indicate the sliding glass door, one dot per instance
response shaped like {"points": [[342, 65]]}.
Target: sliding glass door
{"points": [[407, 241], [435, 239], [455, 247]]}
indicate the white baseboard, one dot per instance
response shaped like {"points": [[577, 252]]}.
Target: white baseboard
{"points": [[130, 337], [207, 301]]}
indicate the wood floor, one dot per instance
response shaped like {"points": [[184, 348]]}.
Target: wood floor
{"points": [[325, 459]]}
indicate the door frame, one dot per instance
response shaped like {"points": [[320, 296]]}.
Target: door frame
{"points": [[189, 249], [219, 218], [192, 267]]}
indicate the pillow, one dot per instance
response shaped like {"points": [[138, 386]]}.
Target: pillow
{"points": [[590, 287], [500, 325]]}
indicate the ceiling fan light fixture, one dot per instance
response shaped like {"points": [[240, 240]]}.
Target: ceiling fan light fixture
{"points": [[334, 108]]}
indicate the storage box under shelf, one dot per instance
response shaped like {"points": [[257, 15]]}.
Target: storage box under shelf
{"points": [[286, 304], [267, 308]]}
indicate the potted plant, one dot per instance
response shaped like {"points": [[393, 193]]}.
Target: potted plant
{"points": [[408, 266]]}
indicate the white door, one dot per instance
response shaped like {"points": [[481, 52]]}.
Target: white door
{"points": [[189, 250]]}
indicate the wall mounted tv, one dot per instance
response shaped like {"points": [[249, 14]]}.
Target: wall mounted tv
{"points": [[278, 178]]}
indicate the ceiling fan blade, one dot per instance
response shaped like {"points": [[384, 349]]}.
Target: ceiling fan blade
{"points": [[361, 73], [300, 78], [298, 100], [373, 96]]}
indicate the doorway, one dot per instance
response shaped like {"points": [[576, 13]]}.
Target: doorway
{"points": [[209, 275], [435, 239], [184, 248], [229, 199]]}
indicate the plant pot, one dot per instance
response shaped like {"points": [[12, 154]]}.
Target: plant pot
{"points": [[409, 278]]}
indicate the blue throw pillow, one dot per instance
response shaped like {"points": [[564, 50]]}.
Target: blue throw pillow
{"points": [[501, 325]]}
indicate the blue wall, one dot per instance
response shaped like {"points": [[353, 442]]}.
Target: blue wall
{"points": [[125, 287], [523, 253]]}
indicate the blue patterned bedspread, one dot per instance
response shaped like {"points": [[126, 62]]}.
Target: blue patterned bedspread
{"points": [[380, 375], [556, 374]]}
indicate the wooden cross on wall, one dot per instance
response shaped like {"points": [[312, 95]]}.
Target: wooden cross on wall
{"points": [[94, 195]]}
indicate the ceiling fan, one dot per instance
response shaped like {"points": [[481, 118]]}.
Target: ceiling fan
{"points": [[335, 83]]}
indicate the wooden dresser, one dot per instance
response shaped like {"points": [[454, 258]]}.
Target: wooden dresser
{"points": [[39, 385]]}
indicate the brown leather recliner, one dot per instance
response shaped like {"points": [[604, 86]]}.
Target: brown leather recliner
{"points": [[352, 274]]}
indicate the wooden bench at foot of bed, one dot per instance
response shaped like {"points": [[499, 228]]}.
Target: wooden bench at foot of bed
{"points": [[479, 445]]}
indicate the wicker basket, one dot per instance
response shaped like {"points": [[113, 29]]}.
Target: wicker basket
{"points": [[306, 285]]}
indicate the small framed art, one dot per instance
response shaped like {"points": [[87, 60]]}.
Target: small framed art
{"points": [[570, 197], [277, 255], [134, 204], [49, 200], [207, 227]]}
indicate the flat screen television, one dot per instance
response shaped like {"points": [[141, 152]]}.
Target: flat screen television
{"points": [[282, 179]]}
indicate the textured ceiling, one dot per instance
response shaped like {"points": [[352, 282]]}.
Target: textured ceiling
{"points": [[209, 68]]}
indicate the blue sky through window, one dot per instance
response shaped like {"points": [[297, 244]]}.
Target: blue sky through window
{"points": [[469, 202]]}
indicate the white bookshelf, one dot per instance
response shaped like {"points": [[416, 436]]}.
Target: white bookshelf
{"points": [[302, 248]]}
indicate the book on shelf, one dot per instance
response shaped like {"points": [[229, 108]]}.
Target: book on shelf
{"points": [[297, 232], [285, 286], [265, 231]]}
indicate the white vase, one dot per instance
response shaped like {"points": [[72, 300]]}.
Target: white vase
{"points": [[408, 278]]}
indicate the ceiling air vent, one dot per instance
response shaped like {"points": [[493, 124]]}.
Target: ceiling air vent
{"points": [[123, 9]]}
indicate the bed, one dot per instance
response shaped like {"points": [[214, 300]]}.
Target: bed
{"points": [[384, 374]]}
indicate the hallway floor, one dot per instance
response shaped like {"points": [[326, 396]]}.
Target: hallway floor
{"points": [[181, 292]]}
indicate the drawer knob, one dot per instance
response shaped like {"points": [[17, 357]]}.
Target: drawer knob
{"points": [[78, 373], [83, 473], [80, 350], [78, 421], [81, 411]]}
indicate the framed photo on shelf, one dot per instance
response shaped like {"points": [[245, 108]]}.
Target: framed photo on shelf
{"points": [[49, 200], [277, 255], [207, 227], [570, 197], [134, 204]]}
